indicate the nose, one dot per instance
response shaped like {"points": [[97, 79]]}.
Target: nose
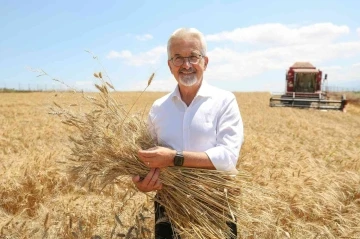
{"points": [[186, 63]]}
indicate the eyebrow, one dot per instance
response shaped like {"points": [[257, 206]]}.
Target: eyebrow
{"points": [[194, 53]]}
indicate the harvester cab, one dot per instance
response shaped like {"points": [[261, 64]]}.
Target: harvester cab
{"points": [[305, 88]]}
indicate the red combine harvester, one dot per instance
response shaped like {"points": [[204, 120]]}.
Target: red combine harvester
{"points": [[304, 89]]}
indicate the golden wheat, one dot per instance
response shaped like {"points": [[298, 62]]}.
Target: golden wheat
{"points": [[304, 165]]}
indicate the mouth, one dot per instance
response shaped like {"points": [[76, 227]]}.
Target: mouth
{"points": [[187, 72]]}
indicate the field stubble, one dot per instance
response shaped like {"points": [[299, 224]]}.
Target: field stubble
{"points": [[306, 162]]}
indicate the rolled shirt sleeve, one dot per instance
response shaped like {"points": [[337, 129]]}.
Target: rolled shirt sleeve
{"points": [[229, 138]]}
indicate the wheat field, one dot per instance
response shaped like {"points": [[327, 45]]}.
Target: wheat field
{"points": [[304, 165]]}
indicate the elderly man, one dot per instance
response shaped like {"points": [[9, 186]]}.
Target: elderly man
{"points": [[200, 124]]}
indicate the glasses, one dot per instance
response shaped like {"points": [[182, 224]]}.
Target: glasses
{"points": [[179, 60]]}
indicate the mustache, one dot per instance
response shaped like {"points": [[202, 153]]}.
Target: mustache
{"points": [[191, 70]]}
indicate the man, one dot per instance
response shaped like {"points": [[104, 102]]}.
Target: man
{"points": [[200, 124]]}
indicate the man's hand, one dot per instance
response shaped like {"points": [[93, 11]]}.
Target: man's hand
{"points": [[150, 183], [157, 157]]}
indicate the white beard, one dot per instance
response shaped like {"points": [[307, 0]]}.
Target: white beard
{"points": [[188, 80]]}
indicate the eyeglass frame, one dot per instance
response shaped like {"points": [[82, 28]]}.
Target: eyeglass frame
{"points": [[187, 57]]}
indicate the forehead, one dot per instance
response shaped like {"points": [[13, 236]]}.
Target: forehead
{"points": [[185, 46]]}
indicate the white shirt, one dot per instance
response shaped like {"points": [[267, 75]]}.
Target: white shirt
{"points": [[211, 123]]}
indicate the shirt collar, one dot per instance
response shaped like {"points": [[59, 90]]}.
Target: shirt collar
{"points": [[204, 91]]}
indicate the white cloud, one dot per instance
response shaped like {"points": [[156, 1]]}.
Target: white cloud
{"points": [[356, 65], [144, 37], [228, 64], [343, 76], [122, 54], [331, 68], [358, 31], [150, 57], [280, 34], [275, 47], [317, 43]]}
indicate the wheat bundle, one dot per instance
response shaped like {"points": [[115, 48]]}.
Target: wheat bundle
{"points": [[198, 202]]}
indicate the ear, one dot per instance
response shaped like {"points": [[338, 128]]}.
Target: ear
{"points": [[169, 66], [206, 61]]}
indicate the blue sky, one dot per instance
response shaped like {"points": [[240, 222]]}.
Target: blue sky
{"points": [[250, 43]]}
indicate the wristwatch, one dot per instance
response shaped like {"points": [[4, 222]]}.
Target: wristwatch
{"points": [[179, 158]]}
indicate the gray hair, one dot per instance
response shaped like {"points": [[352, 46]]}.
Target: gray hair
{"points": [[181, 32]]}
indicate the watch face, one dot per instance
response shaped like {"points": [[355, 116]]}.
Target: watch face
{"points": [[179, 159]]}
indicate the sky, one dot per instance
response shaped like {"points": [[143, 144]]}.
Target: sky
{"points": [[250, 43]]}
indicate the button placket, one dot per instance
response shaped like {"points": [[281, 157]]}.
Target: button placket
{"points": [[189, 117]]}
